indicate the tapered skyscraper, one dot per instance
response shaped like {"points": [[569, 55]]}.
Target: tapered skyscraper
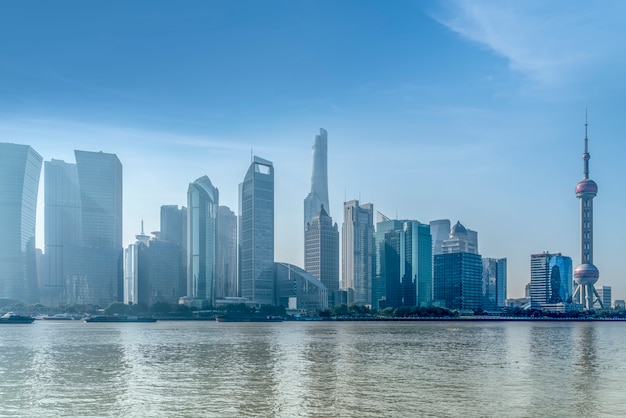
{"points": [[20, 167], [586, 274], [319, 178], [202, 207]]}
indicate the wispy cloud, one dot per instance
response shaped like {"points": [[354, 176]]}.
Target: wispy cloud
{"points": [[552, 43]]}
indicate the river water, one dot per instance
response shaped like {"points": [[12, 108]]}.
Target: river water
{"points": [[314, 369]]}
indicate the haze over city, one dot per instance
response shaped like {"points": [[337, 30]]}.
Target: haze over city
{"points": [[471, 111]]}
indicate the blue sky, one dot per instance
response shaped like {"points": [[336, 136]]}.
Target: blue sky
{"points": [[471, 111]]}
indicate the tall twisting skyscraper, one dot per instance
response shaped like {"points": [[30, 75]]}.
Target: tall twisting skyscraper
{"points": [[20, 167], [256, 233], [319, 178], [586, 274]]}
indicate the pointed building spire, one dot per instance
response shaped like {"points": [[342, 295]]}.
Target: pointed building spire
{"points": [[586, 155]]}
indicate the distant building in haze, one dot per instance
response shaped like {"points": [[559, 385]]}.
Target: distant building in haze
{"points": [[550, 281], [20, 168], [321, 252], [62, 233], [174, 224], [319, 178], [256, 233], [357, 251], [202, 209], [152, 271], [439, 230], [226, 267], [83, 230], [494, 283], [457, 281], [174, 231]]}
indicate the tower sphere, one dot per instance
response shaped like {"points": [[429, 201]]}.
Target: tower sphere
{"points": [[586, 274], [586, 187]]}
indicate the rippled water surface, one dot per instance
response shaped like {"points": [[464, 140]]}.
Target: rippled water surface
{"points": [[314, 369]]}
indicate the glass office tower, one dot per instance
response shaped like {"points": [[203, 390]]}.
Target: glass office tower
{"points": [[202, 207], [256, 233], [20, 168]]}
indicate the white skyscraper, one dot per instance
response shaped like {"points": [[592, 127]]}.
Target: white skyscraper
{"points": [[358, 251]]}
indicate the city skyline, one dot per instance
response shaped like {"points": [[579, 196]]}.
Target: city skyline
{"points": [[434, 111]]}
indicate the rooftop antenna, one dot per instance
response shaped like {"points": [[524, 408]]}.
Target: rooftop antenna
{"points": [[251, 158]]}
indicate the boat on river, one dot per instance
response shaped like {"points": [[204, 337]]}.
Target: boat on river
{"points": [[269, 318], [13, 318], [119, 318]]}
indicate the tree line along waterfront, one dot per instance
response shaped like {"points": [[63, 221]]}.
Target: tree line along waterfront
{"points": [[174, 311]]}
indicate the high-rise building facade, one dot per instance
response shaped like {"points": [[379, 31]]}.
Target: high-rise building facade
{"points": [[379, 279], [550, 281], [20, 168], [586, 274], [460, 240], [605, 296], [319, 178], [83, 232], [226, 273], [100, 180], [174, 231], [439, 230], [494, 283], [152, 271], [458, 278], [202, 209], [256, 233], [406, 262], [321, 252], [62, 212], [358, 251], [174, 224]]}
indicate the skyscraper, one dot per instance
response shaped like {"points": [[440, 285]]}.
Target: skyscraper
{"points": [[20, 168], [494, 283], [406, 262], [457, 280], [319, 178], [202, 207], [321, 252], [62, 212], [152, 271], [439, 229], [100, 180], [226, 274], [93, 270], [174, 231], [586, 274], [550, 281], [357, 251], [256, 233]]}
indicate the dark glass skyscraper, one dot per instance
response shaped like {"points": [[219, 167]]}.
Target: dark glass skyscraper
{"points": [[404, 262], [256, 233], [20, 168], [457, 281], [202, 207]]}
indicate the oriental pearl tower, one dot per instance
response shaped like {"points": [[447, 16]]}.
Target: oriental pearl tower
{"points": [[586, 274]]}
